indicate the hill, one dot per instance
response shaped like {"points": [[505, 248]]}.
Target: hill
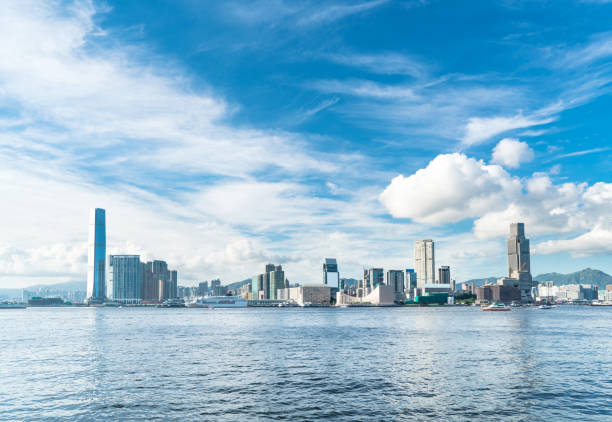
{"points": [[480, 281], [235, 285], [586, 276]]}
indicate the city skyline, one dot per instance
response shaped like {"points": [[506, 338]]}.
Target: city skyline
{"points": [[332, 144]]}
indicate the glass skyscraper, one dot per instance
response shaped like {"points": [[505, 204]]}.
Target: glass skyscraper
{"points": [[331, 277], [96, 259], [125, 278]]}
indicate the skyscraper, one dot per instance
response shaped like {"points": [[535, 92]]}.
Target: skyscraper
{"points": [[125, 278], [444, 274], [277, 280], [411, 279], [424, 262], [395, 279], [331, 277], [376, 277], [96, 257], [519, 260]]}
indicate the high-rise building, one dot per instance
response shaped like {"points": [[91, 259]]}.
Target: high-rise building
{"points": [[277, 280], [444, 275], [395, 279], [411, 279], [376, 277], [424, 262], [203, 288], [331, 277], [257, 284], [173, 282], [150, 286], [519, 261], [96, 258], [125, 278]]}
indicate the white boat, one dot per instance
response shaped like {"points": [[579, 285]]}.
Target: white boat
{"points": [[496, 307], [219, 302], [544, 306]]}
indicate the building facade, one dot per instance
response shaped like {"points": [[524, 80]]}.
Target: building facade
{"points": [[125, 278], [96, 256], [444, 275], [331, 277], [395, 279], [277, 281], [519, 267], [424, 262]]}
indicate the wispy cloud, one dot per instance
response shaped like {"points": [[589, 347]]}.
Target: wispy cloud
{"points": [[578, 153], [386, 63]]}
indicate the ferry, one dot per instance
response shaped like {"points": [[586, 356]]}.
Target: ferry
{"points": [[496, 307], [219, 302], [172, 303], [12, 305], [545, 306]]}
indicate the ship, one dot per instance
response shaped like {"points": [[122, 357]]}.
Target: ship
{"points": [[497, 307], [227, 301], [172, 303]]}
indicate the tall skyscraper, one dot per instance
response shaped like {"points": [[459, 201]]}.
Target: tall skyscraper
{"points": [[257, 284], [424, 262], [331, 277], [277, 281], [125, 278], [395, 279], [519, 261], [411, 279], [96, 257], [444, 274], [376, 277]]}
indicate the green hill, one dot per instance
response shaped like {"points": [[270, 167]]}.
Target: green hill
{"points": [[586, 276]]}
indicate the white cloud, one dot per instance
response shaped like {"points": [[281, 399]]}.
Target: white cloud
{"points": [[386, 63], [597, 241], [451, 188], [480, 129], [512, 152]]}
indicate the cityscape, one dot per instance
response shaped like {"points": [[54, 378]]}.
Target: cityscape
{"points": [[123, 280], [306, 210]]}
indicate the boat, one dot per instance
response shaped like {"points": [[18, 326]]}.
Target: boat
{"points": [[172, 303], [227, 301], [12, 305], [496, 307], [544, 306], [515, 304]]}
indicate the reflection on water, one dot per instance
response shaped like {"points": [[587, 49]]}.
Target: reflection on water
{"points": [[305, 364]]}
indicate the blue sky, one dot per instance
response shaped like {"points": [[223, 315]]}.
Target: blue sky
{"points": [[222, 135]]}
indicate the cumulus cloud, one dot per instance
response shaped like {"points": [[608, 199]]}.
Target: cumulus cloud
{"points": [[511, 152], [454, 187], [451, 188]]}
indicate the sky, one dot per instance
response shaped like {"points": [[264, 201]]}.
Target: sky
{"points": [[220, 136]]}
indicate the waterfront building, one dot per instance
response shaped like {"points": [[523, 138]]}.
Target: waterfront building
{"points": [[216, 289], [376, 277], [381, 295], [411, 279], [424, 262], [577, 292], [497, 293], [125, 278], [444, 275], [277, 281], [266, 280], [309, 295], [331, 277], [395, 279], [203, 288], [257, 284], [96, 257], [519, 260]]}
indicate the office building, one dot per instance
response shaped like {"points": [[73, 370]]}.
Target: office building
{"points": [[173, 284], [125, 278], [331, 277], [376, 277], [203, 288], [444, 275], [424, 262], [277, 281], [395, 279], [216, 288], [257, 284], [96, 257], [497, 293], [519, 260]]}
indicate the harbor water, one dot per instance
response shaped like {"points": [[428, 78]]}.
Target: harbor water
{"points": [[352, 364]]}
